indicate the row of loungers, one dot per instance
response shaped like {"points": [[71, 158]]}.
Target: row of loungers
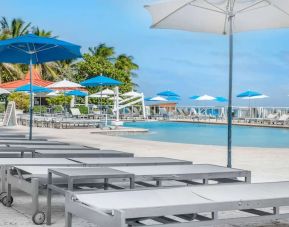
{"points": [[120, 191]]}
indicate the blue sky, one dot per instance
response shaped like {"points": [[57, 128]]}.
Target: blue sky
{"points": [[188, 63]]}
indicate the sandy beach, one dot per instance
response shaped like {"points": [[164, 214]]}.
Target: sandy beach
{"points": [[266, 164]]}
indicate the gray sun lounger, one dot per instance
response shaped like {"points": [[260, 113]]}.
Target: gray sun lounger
{"points": [[143, 175], [20, 177], [80, 153], [51, 146], [16, 152], [135, 161], [181, 207], [30, 142]]}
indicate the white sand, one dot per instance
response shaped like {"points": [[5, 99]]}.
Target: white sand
{"points": [[266, 164]]}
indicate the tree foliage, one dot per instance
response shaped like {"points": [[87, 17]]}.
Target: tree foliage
{"points": [[21, 100]]}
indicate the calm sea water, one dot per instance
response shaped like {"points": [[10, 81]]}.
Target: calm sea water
{"points": [[211, 134]]}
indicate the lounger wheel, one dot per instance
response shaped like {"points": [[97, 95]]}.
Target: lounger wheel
{"points": [[7, 202], [38, 218]]}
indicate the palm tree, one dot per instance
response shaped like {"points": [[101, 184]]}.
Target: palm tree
{"points": [[16, 27], [125, 62], [41, 32], [103, 51]]}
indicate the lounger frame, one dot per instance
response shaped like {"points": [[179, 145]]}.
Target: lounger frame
{"points": [[121, 218]]}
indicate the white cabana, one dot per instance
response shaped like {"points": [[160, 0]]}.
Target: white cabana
{"points": [[96, 95]]}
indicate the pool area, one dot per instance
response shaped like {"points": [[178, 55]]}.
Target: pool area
{"points": [[209, 134]]}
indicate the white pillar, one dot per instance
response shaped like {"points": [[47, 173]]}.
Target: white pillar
{"points": [[72, 101], [143, 105], [117, 103], [86, 101]]}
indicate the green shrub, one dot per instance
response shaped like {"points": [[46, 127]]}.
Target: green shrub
{"points": [[59, 100], [2, 107], [83, 109], [40, 109], [21, 100], [57, 109]]}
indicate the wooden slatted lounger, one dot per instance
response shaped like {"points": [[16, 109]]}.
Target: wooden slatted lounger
{"points": [[181, 207]]}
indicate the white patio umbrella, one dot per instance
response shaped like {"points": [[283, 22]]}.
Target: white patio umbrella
{"points": [[158, 98], [205, 98], [65, 85], [132, 94], [106, 92], [221, 17], [4, 92]]}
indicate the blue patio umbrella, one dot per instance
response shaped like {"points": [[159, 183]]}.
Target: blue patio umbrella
{"points": [[76, 93], [32, 49], [221, 99], [248, 94], [173, 98], [35, 89], [100, 81], [168, 94]]}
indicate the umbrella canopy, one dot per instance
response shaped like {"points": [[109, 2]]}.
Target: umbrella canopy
{"points": [[4, 92], [221, 17], [168, 93], [76, 93], [100, 81], [173, 98], [158, 98], [53, 94], [249, 93], [221, 99], [34, 49], [106, 92], [64, 84], [35, 89], [132, 94], [257, 97], [203, 98]]}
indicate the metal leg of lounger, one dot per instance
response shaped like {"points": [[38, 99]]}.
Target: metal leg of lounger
{"points": [[276, 210], [35, 195], [49, 191], [205, 181], [214, 215], [159, 183], [3, 178], [68, 219], [132, 184], [248, 179], [105, 186]]}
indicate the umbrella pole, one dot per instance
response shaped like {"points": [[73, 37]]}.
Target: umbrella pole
{"points": [[229, 158], [31, 101]]}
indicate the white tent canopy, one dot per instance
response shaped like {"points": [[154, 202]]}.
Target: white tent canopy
{"points": [[105, 92], [3, 91], [132, 94], [64, 84], [205, 98], [158, 98]]}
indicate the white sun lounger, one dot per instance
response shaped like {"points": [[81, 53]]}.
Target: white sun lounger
{"points": [[181, 207], [16, 152], [135, 161], [80, 153]]}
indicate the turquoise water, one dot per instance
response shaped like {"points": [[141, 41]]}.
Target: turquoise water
{"points": [[211, 134]]}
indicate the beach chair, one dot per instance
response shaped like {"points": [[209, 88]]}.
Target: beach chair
{"points": [[269, 119], [283, 120], [75, 112], [182, 207]]}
